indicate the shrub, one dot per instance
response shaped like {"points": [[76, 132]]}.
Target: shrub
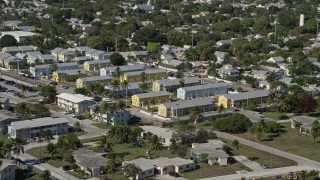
{"points": [[234, 124]]}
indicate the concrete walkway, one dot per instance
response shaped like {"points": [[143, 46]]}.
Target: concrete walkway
{"points": [[250, 164]]}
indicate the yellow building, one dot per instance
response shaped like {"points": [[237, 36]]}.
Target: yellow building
{"points": [[243, 99], [83, 82], [68, 75], [184, 108], [95, 65], [171, 85], [151, 75], [146, 99]]}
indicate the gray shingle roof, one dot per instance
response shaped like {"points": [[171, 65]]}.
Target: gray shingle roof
{"points": [[189, 103], [174, 82], [153, 94], [249, 95], [205, 86]]}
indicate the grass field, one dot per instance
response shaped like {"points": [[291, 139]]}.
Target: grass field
{"points": [[273, 115], [261, 157], [290, 141], [207, 170], [102, 125]]}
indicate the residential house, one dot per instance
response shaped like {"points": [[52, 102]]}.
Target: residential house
{"points": [[11, 62], [68, 75], [7, 169], [18, 49], [19, 35], [160, 166], [145, 99], [89, 161], [260, 74], [77, 103], [66, 55], [6, 118], [132, 89], [303, 123], [286, 69], [213, 148], [228, 71], [276, 60], [184, 108], [279, 72], [81, 59], [118, 117], [145, 7], [134, 55], [111, 71], [97, 54], [243, 99], [32, 57], [95, 65], [171, 85], [81, 50], [55, 52], [46, 69], [151, 75], [30, 129], [205, 90], [165, 134], [221, 56], [224, 42], [84, 82], [264, 85]]}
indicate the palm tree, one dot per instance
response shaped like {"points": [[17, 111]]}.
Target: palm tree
{"points": [[18, 145], [125, 85], [153, 143], [47, 135], [131, 170], [123, 133], [220, 108], [121, 105], [91, 88], [104, 108], [195, 114], [46, 175], [235, 143], [182, 82], [258, 131], [115, 86], [76, 126], [5, 149], [51, 149], [117, 72], [54, 67], [96, 112], [23, 89], [143, 87], [99, 89], [111, 162], [103, 141], [143, 77]]}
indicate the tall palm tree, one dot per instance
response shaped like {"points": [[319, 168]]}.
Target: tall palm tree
{"points": [[235, 143], [182, 82], [47, 135], [121, 105], [23, 89], [5, 149], [115, 86], [131, 170], [96, 112], [123, 133], [143, 77], [117, 72], [18, 145], [258, 131], [91, 88], [99, 89], [103, 142], [153, 143], [76, 126], [143, 87], [104, 107], [54, 67], [220, 108], [111, 162], [51, 149], [125, 85], [195, 114]]}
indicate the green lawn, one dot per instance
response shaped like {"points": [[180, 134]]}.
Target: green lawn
{"points": [[290, 141], [40, 152], [207, 170], [54, 107], [261, 157], [102, 125], [4, 138], [273, 115], [72, 173]]}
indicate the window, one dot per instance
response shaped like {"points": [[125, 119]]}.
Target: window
{"points": [[150, 171], [187, 166], [142, 173], [164, 169]]}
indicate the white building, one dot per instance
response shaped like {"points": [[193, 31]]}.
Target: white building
{"points": [[7, 170], [19, 35], [165, 134], [228, 70], [29, 129], [74, 102]]}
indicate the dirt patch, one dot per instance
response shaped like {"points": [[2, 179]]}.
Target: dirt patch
{"points": [[91, 144]]}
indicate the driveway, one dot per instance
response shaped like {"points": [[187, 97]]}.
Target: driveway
{"points": [[250, 164]]}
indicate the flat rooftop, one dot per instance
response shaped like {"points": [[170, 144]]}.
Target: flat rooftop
{"points": [[38, 122], [76, 98]]}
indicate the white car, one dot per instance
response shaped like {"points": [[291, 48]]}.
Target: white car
{"points": [[67, 112]]}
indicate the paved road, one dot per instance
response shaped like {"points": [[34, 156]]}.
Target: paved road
{"points": [[250, 164], [303, 163]]}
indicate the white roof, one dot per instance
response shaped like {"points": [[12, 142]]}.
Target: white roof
{"points": [[38, 122], [76, 98], [161, 132]]}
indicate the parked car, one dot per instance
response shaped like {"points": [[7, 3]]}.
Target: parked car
{"points": [[53, 83], [66, 167], [236, 110], [97, 98], [67, 112], [65, 87], [283, 117], [80, 117], [1, 79], [44, 101], [263, 166]]}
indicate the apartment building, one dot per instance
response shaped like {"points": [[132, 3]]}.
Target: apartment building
{"points": [[111, 71], [151, 75], [205, 90], [243, 99], [171, 85], [77, 103], [145, 99], [84, 82]]}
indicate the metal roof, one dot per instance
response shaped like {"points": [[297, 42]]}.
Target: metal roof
{"points": [[38, 122], [189, 103], [153, 94], [205, 86], [247, 95]]}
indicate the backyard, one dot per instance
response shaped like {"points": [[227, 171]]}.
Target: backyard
{"points": [[290, 141]]}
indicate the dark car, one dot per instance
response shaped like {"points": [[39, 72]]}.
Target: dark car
{"points": [[283, 117], [236, 110], [1, 80], [97, 98], [53, 83], [66, 167], [80, 117], [9, 82]]}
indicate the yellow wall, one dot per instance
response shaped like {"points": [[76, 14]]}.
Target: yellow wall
{"points": [[66, 78], [137, 78], [156, 86], [224, 101], [163, 111], [93, 67], [136, 101]]}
